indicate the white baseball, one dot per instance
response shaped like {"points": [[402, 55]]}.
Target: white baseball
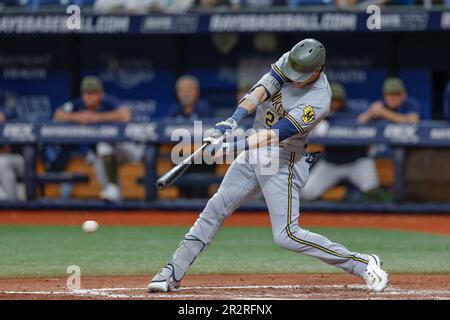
{"points": [[90, 226]]}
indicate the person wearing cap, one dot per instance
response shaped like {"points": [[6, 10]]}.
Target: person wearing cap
{"points": [[396, 106], [289, 101], [95, 106], [341, 163], [189, 105]]}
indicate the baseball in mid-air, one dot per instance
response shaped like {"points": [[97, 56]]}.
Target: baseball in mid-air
{"points": [[90, 226]]}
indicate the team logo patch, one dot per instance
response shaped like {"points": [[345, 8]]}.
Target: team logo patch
{"points": [[308, 115]]}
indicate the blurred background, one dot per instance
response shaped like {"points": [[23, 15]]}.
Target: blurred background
{"points": [[148, 67]]}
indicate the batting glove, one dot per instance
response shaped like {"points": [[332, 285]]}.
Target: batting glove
{"points": [[227, 126], [216, 145]]}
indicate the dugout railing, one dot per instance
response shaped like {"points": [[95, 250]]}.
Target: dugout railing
{"points": [[400, 137]]}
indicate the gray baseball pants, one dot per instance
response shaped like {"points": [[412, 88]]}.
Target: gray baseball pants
{"points": [[12, 166], [281, 191]]}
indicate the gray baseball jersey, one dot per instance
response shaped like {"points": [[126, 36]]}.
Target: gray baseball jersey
{"points": [[304, 108]]}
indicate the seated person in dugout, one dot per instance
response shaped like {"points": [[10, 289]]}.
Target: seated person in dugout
{"points": [[12, 163], [340, 163], [396, 106], [190, 106], [95, 106]]}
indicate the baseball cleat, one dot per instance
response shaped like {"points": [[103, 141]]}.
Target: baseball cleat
{"points": [[376, 278], [164, 281], [111, 193], [158, 287]]}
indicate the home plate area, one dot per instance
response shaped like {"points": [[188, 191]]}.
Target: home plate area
{"points": [[240, 287]]}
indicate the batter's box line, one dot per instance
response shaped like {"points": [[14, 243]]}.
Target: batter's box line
{"points": [[109, 292]]}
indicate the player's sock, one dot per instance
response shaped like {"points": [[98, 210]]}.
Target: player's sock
{"points": [[184, 256], [110, 164]]}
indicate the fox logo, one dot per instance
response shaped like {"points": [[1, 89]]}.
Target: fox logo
{"points": [[308, 115]]}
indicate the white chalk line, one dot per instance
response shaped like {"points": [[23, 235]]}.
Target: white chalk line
{"points": [[112, 292]]}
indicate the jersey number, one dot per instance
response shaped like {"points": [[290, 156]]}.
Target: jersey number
{"points": [[271, 118]]}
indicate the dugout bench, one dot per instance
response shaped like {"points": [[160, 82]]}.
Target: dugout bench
{"points": [[400, 137]]}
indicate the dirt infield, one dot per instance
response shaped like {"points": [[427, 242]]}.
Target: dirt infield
{"points": [[210, 287], [432, 223], [253, 286]]}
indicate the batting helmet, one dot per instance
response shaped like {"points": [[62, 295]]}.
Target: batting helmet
{"points": [[304, 58]]}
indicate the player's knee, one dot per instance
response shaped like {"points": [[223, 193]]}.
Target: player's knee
{"points": [[104, 149], [217, 206], [306, 195], [290, 237], [309, 193], [4, 164], [283, 240], [226, 198]]}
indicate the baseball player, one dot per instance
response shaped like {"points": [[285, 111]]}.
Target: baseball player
{"points": [[289, 101]]}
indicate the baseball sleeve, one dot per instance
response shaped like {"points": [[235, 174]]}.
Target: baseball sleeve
{"points": [[273, 80]]}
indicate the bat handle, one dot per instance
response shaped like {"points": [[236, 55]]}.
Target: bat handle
{"points": [[192, 157]]}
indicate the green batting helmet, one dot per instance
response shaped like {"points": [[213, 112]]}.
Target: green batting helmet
{"points": [[304, 58], [91, 84]]}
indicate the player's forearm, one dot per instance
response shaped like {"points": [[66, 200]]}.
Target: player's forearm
{"points": [[364, 117], [120, 115], [400, 118], [61, 115], [261, 139], [257, 140], [252, 100], [247, 105]]}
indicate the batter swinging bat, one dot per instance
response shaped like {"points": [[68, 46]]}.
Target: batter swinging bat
{"points": [[176, 172]]}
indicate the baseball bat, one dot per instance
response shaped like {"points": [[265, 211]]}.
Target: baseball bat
{"points": [[176, 172]]}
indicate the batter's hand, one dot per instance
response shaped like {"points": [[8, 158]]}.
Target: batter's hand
{"points": [[216, 146], [227, 126]]}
